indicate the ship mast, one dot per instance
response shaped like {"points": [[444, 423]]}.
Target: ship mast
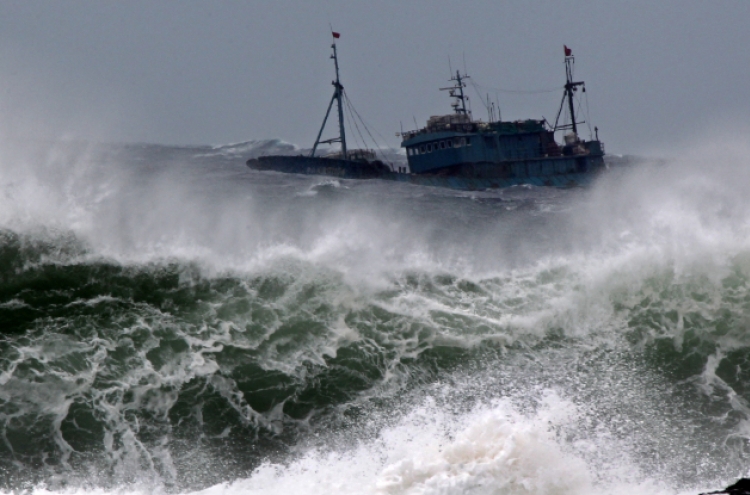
{"points": [[459, 106], [570, 88], [338, 93]]}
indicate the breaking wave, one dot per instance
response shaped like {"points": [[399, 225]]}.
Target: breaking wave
{"points": [[173, 321]]}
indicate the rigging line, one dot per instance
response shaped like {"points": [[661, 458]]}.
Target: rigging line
{"points": [[588, 117], [367, 128], [376, 131], [364, 124], [348, 107], [518, 91], [377, 146], [578, 110], [349, 120], [376, 150], [580, 104], [352, 135], [473, 85]]}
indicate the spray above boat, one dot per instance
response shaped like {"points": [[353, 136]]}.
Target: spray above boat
{"points": [[459, 152]]}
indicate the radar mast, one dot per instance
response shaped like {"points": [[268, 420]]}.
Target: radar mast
{"points": [[457, 91]]}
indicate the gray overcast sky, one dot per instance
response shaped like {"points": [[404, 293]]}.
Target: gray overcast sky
{"points": [[189, 72]]}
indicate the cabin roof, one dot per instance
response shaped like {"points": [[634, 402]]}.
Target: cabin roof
{"points": [[450, 129]]}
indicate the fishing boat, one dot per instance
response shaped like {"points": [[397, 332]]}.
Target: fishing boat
{"points": [[459, 152]]}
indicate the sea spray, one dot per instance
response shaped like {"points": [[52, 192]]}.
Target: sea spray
{"points": [[491, 449], [176, 322]]}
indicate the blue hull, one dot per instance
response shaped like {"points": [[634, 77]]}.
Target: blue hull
{"points": [[475, 184], [475, 178]]}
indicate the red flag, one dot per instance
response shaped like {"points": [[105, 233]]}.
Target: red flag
{"points": [[568, 51], [335, 34]]}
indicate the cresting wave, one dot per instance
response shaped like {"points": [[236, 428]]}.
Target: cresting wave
{"points": [[174, 322]]}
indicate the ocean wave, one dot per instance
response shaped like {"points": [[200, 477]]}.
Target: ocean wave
{"points": [[176, 323], [251, 149]]}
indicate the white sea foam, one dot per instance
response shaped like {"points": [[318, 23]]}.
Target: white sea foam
{"points": [[251, 149], [691, 208], [657, 236], [493, 449]]}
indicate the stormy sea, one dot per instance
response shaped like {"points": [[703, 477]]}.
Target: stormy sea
{"points": [[173, 322]]}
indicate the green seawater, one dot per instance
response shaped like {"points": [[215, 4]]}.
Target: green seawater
{"points": [[171, 322]]}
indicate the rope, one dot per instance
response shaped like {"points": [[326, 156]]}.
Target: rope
{"points": [[367, 129], [363, 145], [486, 106], [349, 103], [580, 104], [348, 107], [517, 91], [588, 117]]}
